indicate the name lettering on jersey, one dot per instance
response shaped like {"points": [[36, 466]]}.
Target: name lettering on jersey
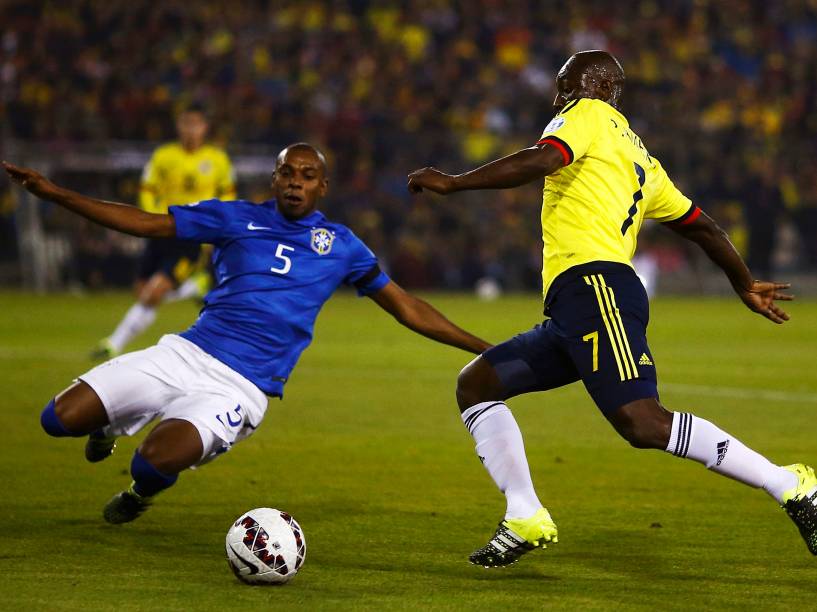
{"points": [[252, 226], [634, 139], [322, 240]]}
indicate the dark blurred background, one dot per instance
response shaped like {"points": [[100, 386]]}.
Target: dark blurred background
{"points": [[723, 92]]}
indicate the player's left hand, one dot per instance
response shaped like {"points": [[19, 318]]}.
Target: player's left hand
{"points": [[30, 179], [431, 179], [761, 296]]}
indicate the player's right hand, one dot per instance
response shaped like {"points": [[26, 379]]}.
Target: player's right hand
{"points": [[30, 179], [431, 179], [761, 296]]}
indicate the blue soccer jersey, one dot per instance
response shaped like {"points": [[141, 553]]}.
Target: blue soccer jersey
{"points": [[273, 276]]}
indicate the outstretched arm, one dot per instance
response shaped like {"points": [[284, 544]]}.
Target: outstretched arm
{"points": [[121, 217], [759, 296], [512, 171], [421, 317]]}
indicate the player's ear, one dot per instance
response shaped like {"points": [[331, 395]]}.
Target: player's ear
{"points": [[324, 188]]}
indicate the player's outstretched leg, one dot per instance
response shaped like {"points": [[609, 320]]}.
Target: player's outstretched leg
{"points": [[173, 445], [527, 525], [647, 424], [77, 412]]}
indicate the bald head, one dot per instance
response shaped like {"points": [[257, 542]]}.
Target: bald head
{"points": [[304, 147], [590, 74]]}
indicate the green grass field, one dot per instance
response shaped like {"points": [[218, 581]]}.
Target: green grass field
{"points": [[368, 452]]}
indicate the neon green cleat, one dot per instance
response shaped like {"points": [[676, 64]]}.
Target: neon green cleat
{"points": [[104, 351], [514, 537], [800, 503]]}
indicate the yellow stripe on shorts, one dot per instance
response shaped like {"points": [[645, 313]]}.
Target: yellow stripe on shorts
{"points": [[617, 317], [615, 327]]}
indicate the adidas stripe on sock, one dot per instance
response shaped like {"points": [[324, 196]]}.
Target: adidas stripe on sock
{"points": [[697, 439]]}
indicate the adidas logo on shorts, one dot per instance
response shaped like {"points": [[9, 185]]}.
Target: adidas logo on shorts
{"points": [[645, 360]]}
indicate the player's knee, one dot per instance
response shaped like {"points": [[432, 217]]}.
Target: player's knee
{"points": [[475, 385], [172, 447], [159, 456], [638, 437], [152, 299], [643, 424], [52, 422]]}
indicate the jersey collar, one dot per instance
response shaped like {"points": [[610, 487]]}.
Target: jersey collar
{"points": [[312, 218]]}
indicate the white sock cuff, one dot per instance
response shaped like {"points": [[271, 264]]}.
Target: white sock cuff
{"points": [[681, 434], [477, 413]]}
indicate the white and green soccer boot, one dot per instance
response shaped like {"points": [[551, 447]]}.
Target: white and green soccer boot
{"points": [[514, 537], [800, 503], [103, 351]]}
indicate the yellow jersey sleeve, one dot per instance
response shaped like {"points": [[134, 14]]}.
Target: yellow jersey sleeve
{"points": [[149, 185], [573, 129], [667, 202]]}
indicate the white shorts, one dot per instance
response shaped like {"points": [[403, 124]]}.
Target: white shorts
{"points": [[175, 379]]}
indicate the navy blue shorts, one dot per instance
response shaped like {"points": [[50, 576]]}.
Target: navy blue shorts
{"points": [[596, 333], [175, 258]]}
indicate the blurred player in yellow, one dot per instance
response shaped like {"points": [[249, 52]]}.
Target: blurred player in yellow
{"points": [[182, 172]]}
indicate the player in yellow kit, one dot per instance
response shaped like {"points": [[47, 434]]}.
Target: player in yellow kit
{"points": [[189, 170], [601, 183]]}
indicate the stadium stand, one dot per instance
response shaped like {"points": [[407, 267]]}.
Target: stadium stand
{"points": [[722, 92]]}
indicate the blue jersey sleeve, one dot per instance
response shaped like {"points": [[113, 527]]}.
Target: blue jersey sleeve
{"points": [[204, 221], [364, 273]]}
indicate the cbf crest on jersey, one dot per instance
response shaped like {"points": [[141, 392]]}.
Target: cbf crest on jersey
{"points": [[322, 240]]}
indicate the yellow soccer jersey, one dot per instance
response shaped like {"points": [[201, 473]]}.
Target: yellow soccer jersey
{"points": [[176, 176], [594, 206]]}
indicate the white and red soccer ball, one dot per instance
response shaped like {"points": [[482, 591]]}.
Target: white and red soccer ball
{"points": [[265, 546]]}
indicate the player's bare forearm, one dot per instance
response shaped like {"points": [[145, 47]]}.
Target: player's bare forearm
{"points": [[120, 217], [716, 244], [759, 296], [422, 318], [511, 171], [426, 320]]}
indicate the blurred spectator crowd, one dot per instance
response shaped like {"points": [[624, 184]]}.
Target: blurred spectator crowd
{"points": [[724, 92]]}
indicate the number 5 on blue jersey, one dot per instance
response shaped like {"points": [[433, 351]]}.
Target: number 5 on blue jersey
{"points": [[279, 254]]}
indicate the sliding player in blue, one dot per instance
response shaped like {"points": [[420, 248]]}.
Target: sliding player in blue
{"points": [[601, 183], [276, 264]]}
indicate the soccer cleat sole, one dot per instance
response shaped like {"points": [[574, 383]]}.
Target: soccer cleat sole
{"points": [[508, 545], [491, 559]]}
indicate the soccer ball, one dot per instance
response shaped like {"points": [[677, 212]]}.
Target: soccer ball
{"points": [[265, 546]]}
